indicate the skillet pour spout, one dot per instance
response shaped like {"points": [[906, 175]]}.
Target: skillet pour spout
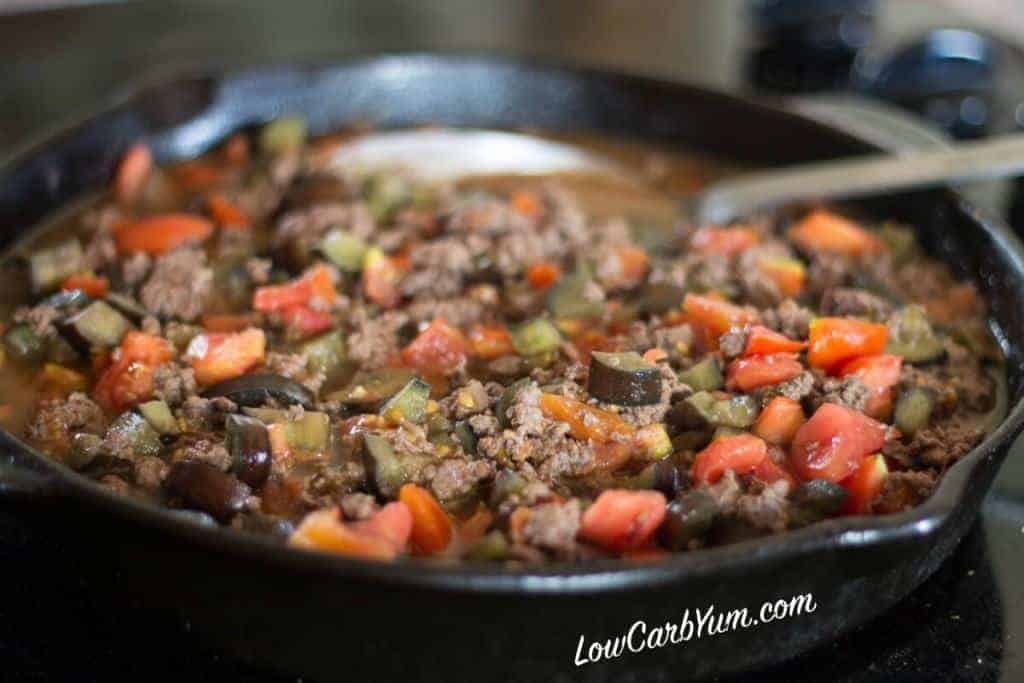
{"points": [[332, 618]]}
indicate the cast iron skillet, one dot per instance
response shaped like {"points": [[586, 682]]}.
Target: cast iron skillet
{"points": [[331, 618]]}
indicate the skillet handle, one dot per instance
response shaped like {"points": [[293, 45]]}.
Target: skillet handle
{"points": [[19, 484]]}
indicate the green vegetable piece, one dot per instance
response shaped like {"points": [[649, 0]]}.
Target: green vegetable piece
{"points": [[507, 398], [624, 378], [688, 518], [24, 345], [409, 404], [704, 376], [535, 337], [387, 469], [694, 412], [900, 240], [702, 410], [49, 267], [656, 298], [466, 437], [310, 433], [692, 440], [98, 325], [325, 353], [739, 412], [655, 440], [914, 410], [912, 336], [344, 250], [386, 193], [814, 501], [84, 449], [132, 428], [369, 390], [567, 297], [159, 416], [493, 546], [283, 135]]}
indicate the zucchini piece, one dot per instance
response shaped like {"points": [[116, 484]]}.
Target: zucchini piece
{"points": [[98, 325], [369, 390], [724, 432], [814, 501], [655, 441], [738, 412], [48, 267], [325, 353], [409, 404], [702, 410], [535, 337], [24, 345], [912, 336], [490, 547], [283, 135], [344, 250], [134, 429], [624, 379], [310, 433], [249, 444], [657, 298], [385, 194], [507, 398], [159, 416], [254, 390], [566, 298], [127, 306], [704, 376], [388, 470], [914, 410], [661, 476], [687, 519], [466, 437]]}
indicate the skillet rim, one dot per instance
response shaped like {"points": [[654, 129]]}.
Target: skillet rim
{"points": [[596, 576]]}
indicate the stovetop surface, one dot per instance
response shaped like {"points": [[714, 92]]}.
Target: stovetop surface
{"points": [[966, 623]]}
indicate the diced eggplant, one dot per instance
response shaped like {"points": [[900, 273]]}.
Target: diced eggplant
{"points": [[369, 390], [201, 486], [739, 412], [98, 325], [656, 298], [655, 441], [49, 267], [691, 440], [660, 476], [624, 378], [914, 410], [409, 404], [535, 337], [84, 449], [249, 445], [814, 501], [127, 306], [132, 428], [24, 345], [344, 250], [508, 397], [325, 353], [466, 437], [704, 376], [256, 389], [687, 519], [702, 410], [310, 433], [387, 469], [67, 301], [568, 298], [912, 336], [160, 417], [282, 135]]}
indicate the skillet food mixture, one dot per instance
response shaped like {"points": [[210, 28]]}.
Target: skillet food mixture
{"points": [[364, 365]]}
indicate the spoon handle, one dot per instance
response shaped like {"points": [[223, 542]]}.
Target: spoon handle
{"points": [[874, 174]]}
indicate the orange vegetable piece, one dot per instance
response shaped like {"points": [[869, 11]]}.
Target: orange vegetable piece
{"points": [[824, 231], [525, 203], [789, 275], [621, 520], [476, 525], [543, 275], [834, 341], [225, 213], [132, 173], [632, 265], [93, 285], [381, 276], [761, 340], [226, 322], [161, 233], [585, 421], [724, 241], [611, 456], [315, 288], [491, 341], [863, 485], [752, 372], [216, 356], [880, 374], [306, 321], [779, 421], [431, 527], [715, 315], [742, 454], [381, 537], [439, 348], [128, 379]]}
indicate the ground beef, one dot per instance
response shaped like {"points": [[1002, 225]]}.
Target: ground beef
{"points": [[848, 302], [457, 477], [484, 425], [374, 342], [726, 491], [848, 391], [179, 285], [357, 506], [470, 399], [437, 270], [903, 490], [258, 270], [677, 340], [150, 472], [797, 389], [100, 251], [671, 392], [937, 446], [41, 318], [827, 271], [204, 450], [295, 366], [57, 420], [459, 311], [553, 526], [733, 343], [174, 382], [767, 509], [307, 227], [329, 482], [205, 414], [135, 267], [790, 318]]}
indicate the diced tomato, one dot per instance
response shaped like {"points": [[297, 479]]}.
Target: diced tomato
{"points": [[833, 442], [315, 289], [543, 275], [93, 285], [194, 176], [621, 520], [432, 529], [128, 379], [742, 454], [761, 340], [132, 174], [789, 275], [381, 277], [225, 213], [438, 349], [226, 322], [880, 374], [834, 341], [473, 528], [216, 356], [632, 265], [779, 421], [306, 321], [655, 355], [770, 472], [724, 241], [525, 204], [752, 372], [161, 233], [585, 421], [591, 340], [491, 341], [381, 537], [717, 316], [824, 231], [863, 485]]}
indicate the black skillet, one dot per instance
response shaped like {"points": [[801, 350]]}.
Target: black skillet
{"points": [[330, 618]]}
